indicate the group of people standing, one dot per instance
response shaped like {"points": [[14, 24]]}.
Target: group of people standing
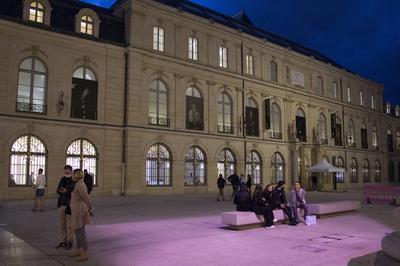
{"points": [[74, 210], [264, 201]]}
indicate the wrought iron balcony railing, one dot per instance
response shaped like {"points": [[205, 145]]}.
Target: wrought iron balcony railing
{"points": [[31, 108]]}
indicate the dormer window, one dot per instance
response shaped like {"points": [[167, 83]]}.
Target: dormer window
{"points": [[87, 25], [36, 12], [87, 22]]}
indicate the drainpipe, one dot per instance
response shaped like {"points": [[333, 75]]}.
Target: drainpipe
{"points": [[124, 182], [243, 110]]}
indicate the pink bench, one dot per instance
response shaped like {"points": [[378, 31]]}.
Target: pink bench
{"points": [[385, 193]]}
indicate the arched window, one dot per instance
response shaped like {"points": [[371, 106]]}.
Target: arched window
{"points": [[194, 109], [224, 113], [158, 166], [340, 164], [193, 48], [334, 89], [249, 64], [321, 135], [28, 155], [252, 128], [320, 85], [374, 138], [226, 163], [301, 125], [353, 171], [350, 134], [81, 154], [84, 94], [158, 39], [158, 104], [277, 168], [87, 25], [378, 172], [338, 132], [390, 141], [32, 86], [275, 131], [254, 166], [195, 167], [366, 173], [36, 12], [391, 172], [274, 71], [364, 136]]}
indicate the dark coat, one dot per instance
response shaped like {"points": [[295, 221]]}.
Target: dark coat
{"points": [[259, 203], [65, 198], [234, 179], [221, 182], [243, 201], [278, 196], [88, 179]]}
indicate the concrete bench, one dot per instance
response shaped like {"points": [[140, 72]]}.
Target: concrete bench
{"points": [[244, 220], [333, 207], [385, 193]]}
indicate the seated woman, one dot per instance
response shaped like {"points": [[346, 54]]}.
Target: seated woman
{"points": [[261, 207], [242, 199]]}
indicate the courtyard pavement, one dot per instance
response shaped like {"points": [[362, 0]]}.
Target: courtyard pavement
{"points": [[187, 230]]}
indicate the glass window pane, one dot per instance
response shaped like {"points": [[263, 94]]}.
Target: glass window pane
{"points": [[26, 64]]}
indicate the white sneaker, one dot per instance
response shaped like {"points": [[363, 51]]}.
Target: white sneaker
{"points": [[270, 227], [275, 220]]}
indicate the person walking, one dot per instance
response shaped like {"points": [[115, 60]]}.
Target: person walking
{"points": [[221, 184], [249, 183], [235, 181], [297, 200], [64, 189], [280, 202], [262, 207], [81, 209], [40, 184], [88, 180]]}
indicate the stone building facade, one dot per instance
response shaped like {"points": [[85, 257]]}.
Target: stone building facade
{"points": [[162, 96]]}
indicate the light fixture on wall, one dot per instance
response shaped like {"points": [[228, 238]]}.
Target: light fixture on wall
{"points": [[60, 102]]}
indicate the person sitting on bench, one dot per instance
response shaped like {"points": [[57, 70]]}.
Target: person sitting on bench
{"points": [[297, 200], [243, 199], [261, 207], [280, 202]]}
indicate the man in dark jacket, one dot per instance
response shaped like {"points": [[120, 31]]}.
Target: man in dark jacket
{"points": [[64, 189], [280, 202], [221, 184], [235, 181], [243, 199], [88, 179]]}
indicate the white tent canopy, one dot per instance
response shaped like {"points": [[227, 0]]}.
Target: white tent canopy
{"points": [[324, 167]]}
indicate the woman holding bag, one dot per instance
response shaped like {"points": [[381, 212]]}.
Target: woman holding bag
{"points": [[81, 212]]}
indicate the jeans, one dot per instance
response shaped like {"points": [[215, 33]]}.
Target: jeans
{"points": [[300, 205], [81, 240]]}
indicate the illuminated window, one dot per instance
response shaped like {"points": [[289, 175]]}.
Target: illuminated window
{"points": [[158, 166], [36, 12], [348, 94], [158, 104], [226, 163], [195, 167], [81, 154], [361, 98], [193, 48], [254, 166], [87, 25], [28, 155], [372, 102], [158, 39], [224, 110], [84, 73], [353, 171], [374, 137], [249, 64], [223, 57], [277, 168], [32, 86]]}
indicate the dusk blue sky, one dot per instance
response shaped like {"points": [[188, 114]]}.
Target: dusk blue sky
{"points": [[362, 35]]}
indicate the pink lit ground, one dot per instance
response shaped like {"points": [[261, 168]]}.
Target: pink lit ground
{"points": [[186, 230]]}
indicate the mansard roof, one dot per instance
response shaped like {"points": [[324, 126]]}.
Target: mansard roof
{"points": [[63, 14]]}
